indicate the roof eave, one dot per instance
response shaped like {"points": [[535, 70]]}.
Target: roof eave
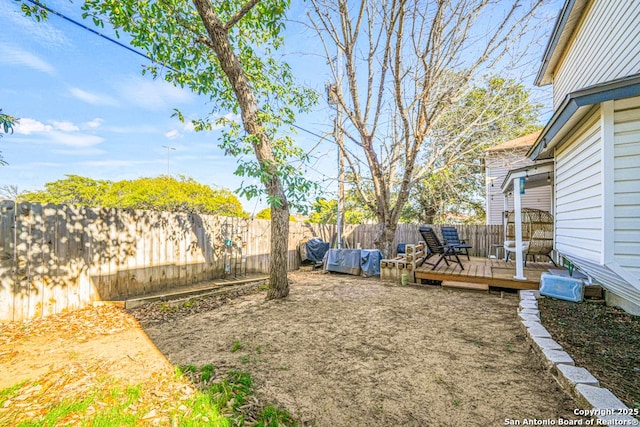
{"points": [[626, 87], [565, 24]]}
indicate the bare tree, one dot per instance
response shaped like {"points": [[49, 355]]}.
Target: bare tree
{"points": [[9, 192], [405, 64]]}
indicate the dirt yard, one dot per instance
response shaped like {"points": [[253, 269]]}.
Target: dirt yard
{"points": [[340, 351], [347, 351]]}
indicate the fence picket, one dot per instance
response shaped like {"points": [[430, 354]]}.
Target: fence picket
{"points": [[56, 257], [7, 253]]}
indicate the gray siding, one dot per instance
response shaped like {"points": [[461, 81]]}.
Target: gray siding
{"points": [[627, 185], [578, 211], [497, 167], [604, 48]]}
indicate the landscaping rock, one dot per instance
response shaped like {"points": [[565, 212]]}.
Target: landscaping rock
{"points": [[530, 311], [524, 304], [546, 343], [535, 329], [558, 357], [571, 376]]}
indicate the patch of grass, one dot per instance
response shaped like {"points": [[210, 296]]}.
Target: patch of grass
{"points": [[185, 369], [206, 372], [273, 416], [228, 402], [7, 393], [99, 407], [189, 303], [456, 402], [237, 346], [166, 307]]}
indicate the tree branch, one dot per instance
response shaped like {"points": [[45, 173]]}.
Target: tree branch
{"points": [[242, 12]]}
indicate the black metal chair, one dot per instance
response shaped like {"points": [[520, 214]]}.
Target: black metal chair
{"points": [[447, 252], [450, 237]]}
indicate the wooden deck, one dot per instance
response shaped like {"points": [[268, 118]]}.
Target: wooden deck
{"points": [[493, 272]]}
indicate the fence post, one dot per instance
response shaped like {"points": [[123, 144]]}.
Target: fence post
{"points": [[7, 254]]}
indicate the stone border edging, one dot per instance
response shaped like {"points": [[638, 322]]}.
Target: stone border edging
{"points": [[604, 406]]}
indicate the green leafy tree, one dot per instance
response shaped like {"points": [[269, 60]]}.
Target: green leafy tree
{"points": [[160, 194], [266, 214], [225, 50], [325, 212], [6, 126], [453, 189]]}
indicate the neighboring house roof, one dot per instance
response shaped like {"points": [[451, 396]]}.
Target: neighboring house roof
{"points": [[566, 23], [525, 141], [578, 103]]}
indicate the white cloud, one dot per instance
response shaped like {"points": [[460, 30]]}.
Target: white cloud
{"points": [[93, 124], [152, 94], [233, 117], [133, 129], [65, 126], [61, 133], [44, 32], [75, 140], [229, 116], [93, 98], [84, 151], [172, 134], [12, 55], [120, 163], [189, 127], [27, 126]]}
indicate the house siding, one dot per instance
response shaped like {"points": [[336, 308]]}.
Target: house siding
{"points": [[613, 282], [578, 210], [604, 48], [498, 166], [627, 184]]}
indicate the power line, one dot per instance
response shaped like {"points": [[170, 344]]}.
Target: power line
{"points": [[311, 133], [81, 25], [130, 49]]}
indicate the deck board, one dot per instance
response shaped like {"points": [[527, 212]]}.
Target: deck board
{"points": [[493, 272]]}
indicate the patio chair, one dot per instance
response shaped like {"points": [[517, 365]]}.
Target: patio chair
{"points": [[450, 237], [446, 252]]}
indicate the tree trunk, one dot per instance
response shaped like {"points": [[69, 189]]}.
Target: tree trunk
{"points": [[232, 67], [385, 241], [278, 266]]}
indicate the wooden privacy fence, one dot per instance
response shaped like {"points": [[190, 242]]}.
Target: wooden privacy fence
{"points": [[58, 257], [481, 237]]}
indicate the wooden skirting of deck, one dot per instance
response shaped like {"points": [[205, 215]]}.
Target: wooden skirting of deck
{"points": [[493, 272]]}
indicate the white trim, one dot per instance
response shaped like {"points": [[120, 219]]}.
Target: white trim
{"points": [[517, 208], [607, 142], [625, 274]]}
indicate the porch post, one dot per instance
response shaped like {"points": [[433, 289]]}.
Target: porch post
{"points": [[517, 208]]}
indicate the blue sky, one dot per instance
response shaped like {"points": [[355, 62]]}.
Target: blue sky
{"points": [[85, 109]]}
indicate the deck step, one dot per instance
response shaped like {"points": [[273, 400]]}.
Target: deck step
{"points": [[465, 285]]}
